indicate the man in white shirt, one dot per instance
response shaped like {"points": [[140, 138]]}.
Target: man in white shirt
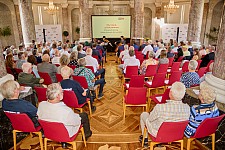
{"points": [[125, 52], [91, 61], [54, 110], [147, 48], [132, 61]]}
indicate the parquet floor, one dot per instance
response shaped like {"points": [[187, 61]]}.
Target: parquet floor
{"points": [[107, 122]]}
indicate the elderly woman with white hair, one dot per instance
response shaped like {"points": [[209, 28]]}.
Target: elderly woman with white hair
{"points": [[26, 77], [207, 109], [173, 110], [191, 78]]}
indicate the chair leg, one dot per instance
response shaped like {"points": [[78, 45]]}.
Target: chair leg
{"points": [[83, 135], [89, 105], [213, 141], [181, 144], [144, 134], [40, 139], [189, 140], [14, 139], [45, 143], [152, 144], [74, 145], [124, 111]]}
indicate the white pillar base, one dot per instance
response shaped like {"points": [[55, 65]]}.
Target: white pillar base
{"points": [[219, 86]]}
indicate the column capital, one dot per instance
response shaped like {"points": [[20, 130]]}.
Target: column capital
{"points": [[65, 5]]}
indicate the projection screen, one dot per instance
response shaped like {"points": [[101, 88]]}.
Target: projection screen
{"points": [[111, 26]]}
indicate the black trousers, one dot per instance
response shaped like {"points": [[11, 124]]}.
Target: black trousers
{"points": [[86, 124]]}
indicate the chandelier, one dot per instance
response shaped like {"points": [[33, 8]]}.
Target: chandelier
{"points": [[51, 9], [111, 11], [171, 7]]}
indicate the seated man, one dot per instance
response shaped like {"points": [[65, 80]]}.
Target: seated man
{"points": [[81, 53], [90, 77], [55, 110], [132, 61], [11, 102], [68, 84], [45, 66], [172, 111], [96, 52], [21, 60], [207, 109], [26, 77], [91, 61]]}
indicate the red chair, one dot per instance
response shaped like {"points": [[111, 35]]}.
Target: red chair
{"points": [[57, 65], [199, 62], [83, 82], [162, 68], [41, 93], [180, 59], [70, 99], [22, 123], [160, 98], [46, 77], [9, 71], [156, 83], [201, 71], [175, 67], [171, 59], [59, 77], [211, 61], [130, 70], [72, 66], [135, 81], [206, 128], [174, 77], [18, 70], [55, 131], [136, 96], [151, 71], [90, 67], [175, 130], [185, 66]]}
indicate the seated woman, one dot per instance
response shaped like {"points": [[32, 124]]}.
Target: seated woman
{"points": [[9, 63], [64, 61], [26, 77], [163, 58], [186, 53], [73, 59], [191, 78], [149, 61], [196, 54], [32, 59], [207, 109]]}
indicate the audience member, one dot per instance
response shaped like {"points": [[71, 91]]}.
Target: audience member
{"points": [[196, 54], [202, 51], [74, 59], [21, 60], [169, 52], [208, 57], [81, 53], [96, 52], [32, 59], [173, 110], [64, 61], [147, 48], [37, 56], [56, 58], [207, 73], [149, 61], [163, 59], [191, 78], [132, 61]]}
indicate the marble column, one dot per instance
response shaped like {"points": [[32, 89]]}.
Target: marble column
{"points": [[204, 21], [85, 20], [195, 20], [19, 23], [27, 21], [65, 17]]}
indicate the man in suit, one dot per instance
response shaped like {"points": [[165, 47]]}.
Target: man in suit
{"points": [[208, 57]]}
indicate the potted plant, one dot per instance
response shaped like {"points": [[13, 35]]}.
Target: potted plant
{"points": [[5, 32], [77, 30]]}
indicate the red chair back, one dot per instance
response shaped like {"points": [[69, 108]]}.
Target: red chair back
{"points": [[158, 80], [70, 99], [46, 77], [202, 71], [82, 80], [18, 70], [90, 67], [165, 96], [136, 95], [175, 130], [56, 131], [9, 71], [180, 59], [208, 127], [175, 66], [137, 81], [131, 70], [207, 70], [185, 66], [199, 62], [59, 77], [174, 77], [21, 122], [72, 66], [57, 65], [171, 61], [151, 70], [162, 68], [41, 93]]}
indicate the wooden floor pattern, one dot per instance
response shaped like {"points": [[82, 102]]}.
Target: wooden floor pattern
{"points": [[107, 122]]}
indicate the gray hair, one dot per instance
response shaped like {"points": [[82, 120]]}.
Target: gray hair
{"points": [[26, 67], [82, 62], [8, 88], [65, 71], [178, 90], [131, 48], [53, 91], [193, 64]]}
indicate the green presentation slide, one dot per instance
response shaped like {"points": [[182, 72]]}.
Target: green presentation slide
{"points": [[111, 26]]}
